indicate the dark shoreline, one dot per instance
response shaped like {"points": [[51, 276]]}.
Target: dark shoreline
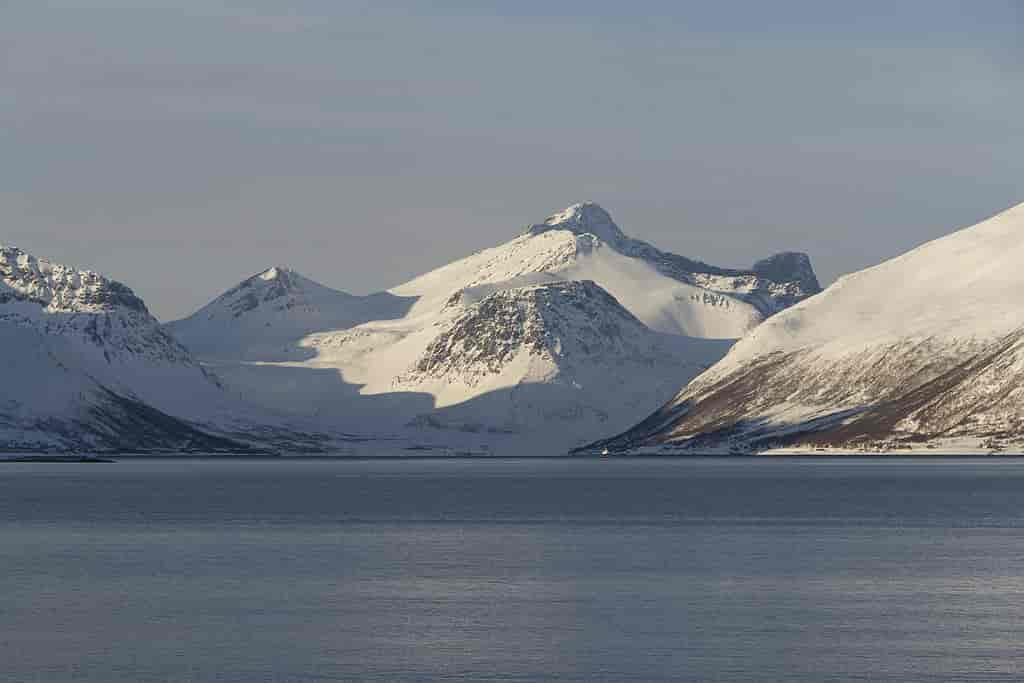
{"points": [[56, 459], [136, 457]]}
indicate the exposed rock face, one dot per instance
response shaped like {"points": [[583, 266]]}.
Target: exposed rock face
{"points": [[791, 267], [59, 288], [275, 287], [920, 351], [278, 289], [70, 303], [563, 322]]}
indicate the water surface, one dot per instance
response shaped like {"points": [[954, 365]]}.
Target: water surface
{"points": [[801, 569]]}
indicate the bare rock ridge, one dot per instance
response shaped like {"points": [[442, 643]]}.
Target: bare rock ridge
{"points": [[60, 288], [561, 322], [789, 266], [102, 313], [925, 351]]}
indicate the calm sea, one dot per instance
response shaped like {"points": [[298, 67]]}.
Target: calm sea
{"points": [[512, 570]]}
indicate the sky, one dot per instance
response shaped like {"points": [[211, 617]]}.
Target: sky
{"points": [[181, 147]]}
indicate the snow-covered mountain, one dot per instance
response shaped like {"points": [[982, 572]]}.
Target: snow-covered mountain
{"points": [[569, 331], [264, 314], [669, 293], [561, 356], [772, 285], [923, 351], [85, 366]]}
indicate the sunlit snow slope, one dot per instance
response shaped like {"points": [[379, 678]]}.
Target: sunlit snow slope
{"points": [[923, 351], [567, 332]]}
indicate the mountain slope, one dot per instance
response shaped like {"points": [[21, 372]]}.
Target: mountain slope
{"points": [[562, 356], [773, 284], [272, 309], [667, 292], [922, 350], [568, 331], [85, 366]]}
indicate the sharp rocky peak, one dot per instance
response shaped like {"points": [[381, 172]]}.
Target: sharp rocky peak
{"points": [[279, 280], [789, 266], [581, 219], [272, 284]]}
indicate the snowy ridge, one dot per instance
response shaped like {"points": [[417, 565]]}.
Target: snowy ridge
{"points": [[586, 218], [104, 316], [773, 284], [85, 366], [667, 292], [58, 288], [262, 315], [922, 349], [567, 331]]}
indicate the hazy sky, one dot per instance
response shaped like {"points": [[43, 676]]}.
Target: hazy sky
{"points": [[180, 147]]}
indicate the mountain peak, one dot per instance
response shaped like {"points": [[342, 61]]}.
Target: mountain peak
{"points": [[276, 282], [580, 219], [60, 288], [278, 285], [277, 273], [789, 266]]}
